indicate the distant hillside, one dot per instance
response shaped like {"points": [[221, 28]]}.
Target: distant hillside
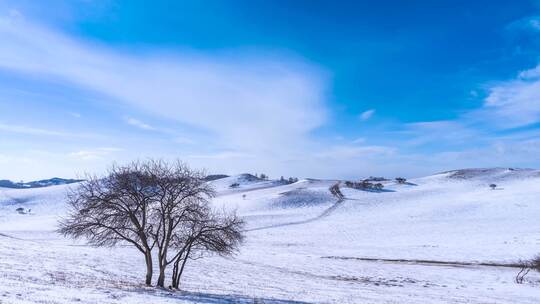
{"points": [[493, 174], [37, 184], [213, 177]]}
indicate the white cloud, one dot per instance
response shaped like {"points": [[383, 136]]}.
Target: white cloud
{"points": [[256, 111], [183, 140], [4, 158], [254, 103], [366, 114], [224, 155], [442, 132], [94, 154], [137, 123], [514, 103], [346, 152], [359, 140], [31, 130], [531, 23]]}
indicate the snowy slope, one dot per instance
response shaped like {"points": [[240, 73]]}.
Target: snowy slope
{"points": [[243, 182], [438, 218], [304, 245], [47, 204]]}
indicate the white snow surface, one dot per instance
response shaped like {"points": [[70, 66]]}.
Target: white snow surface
{"points": [[303, 246]]}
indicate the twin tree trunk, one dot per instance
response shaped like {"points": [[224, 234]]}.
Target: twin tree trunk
{"points": [[162, 265], [177, 272]]}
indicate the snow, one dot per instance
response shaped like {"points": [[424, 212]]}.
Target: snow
{"points": [[245, 182], [304, 246]]}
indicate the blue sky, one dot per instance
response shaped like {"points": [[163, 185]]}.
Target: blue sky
{"points": [[304, 88]]}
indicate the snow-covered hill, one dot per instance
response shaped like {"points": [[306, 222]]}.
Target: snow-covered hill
{"points": [[242, 182], [55, 181], [436, 239]]}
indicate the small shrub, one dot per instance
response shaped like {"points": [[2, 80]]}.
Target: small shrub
{"points": [[378, 186], [364, 185], [335, 191], [292, 180], [401, 180], [526, 267]]}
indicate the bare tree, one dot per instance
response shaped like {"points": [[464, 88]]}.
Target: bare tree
{"points": [[526, 267], [207, 233], [493, 186], [152, 205], [401, 180], [336, 191], [183, 196], [114, 209], [292, 180], [378, 186]]}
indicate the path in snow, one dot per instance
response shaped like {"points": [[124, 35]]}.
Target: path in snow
{"points": [[426, 262], [325, 213]]}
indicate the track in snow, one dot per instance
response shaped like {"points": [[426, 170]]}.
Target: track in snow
{"points": [[325, 213], [426, 262]]}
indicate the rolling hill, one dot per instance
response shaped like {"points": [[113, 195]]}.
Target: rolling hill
{"points": [[444, 238]]}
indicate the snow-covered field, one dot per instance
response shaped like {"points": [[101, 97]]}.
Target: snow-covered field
{"points": [[420, 242]]}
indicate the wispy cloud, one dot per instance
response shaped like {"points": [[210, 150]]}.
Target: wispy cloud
{"points": [[94, 154], [531, 23], [442, 132], [183, 140], [137, 123], [366, 114], [31, 130], [224, 155], [513, 103], [359, 140], [346, 152], [250, 102], [258, 111]]}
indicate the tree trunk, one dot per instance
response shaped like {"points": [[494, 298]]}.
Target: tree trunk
{"points": [[162, 256], [174, 278], [177, 283], [161, 278], [149, 268]]}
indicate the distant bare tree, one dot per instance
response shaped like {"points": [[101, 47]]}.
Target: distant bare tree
{"points": [[292, 180], [336, 191], [114, 209], [401, 180], [378, 186], [366, 184], [493, 186], [526, 267]]}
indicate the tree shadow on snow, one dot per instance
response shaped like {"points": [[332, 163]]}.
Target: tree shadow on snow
{"points": [[208, 298], [377, 191]]}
